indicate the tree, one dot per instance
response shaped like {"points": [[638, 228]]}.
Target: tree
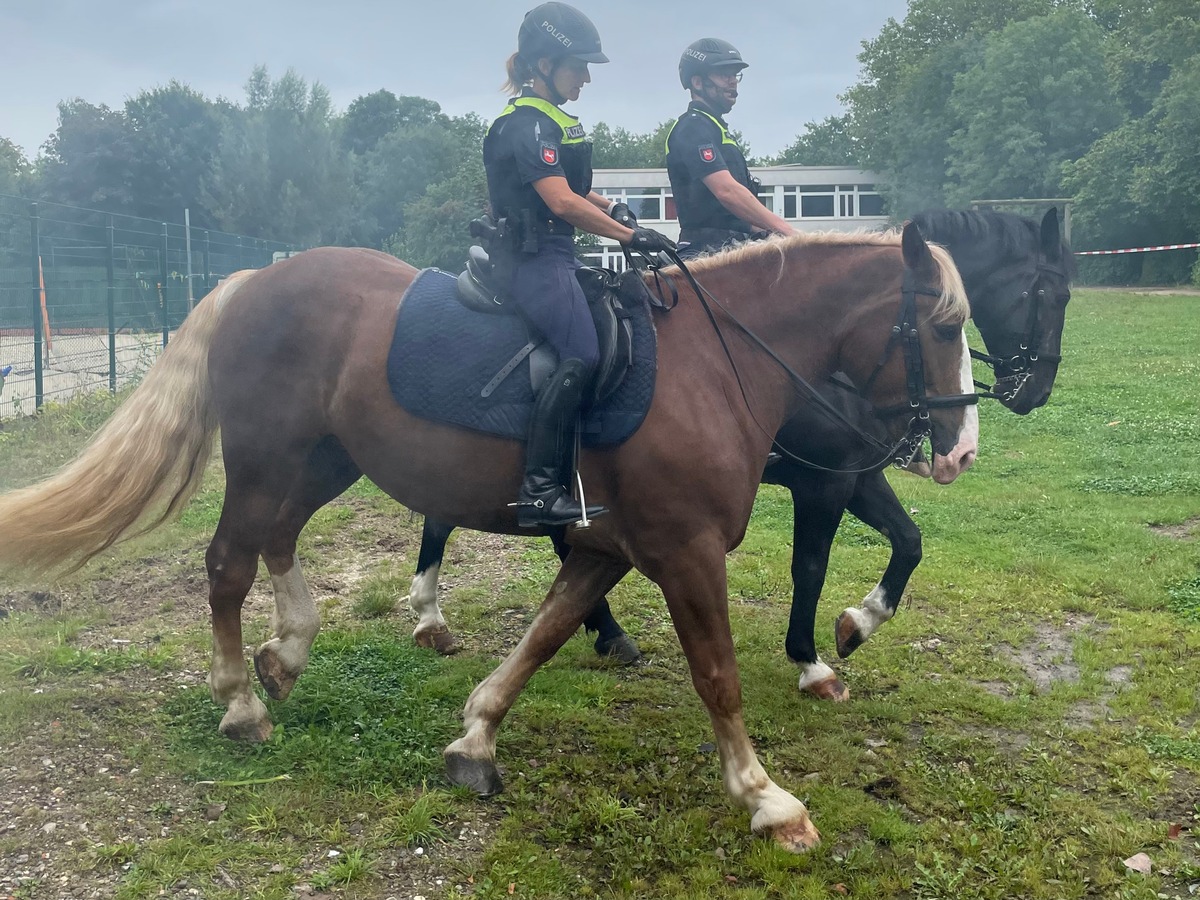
{"points": [[88, 160], [1038, 97], [404, 165], [1139, 185], [174, 140], [825, 143], [14, 168], [436, 224], [901, 47], [280, 170], [898, 111], [619, 148], [373, 116], [1150, 39]]}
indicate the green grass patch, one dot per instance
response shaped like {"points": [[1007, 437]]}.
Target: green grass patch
{"points": [[1025, 723]]}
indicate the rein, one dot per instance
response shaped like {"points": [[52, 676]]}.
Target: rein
{"points": [[904, 450]]}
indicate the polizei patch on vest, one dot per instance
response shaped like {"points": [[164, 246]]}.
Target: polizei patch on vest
{"points": [[575, 133], [549, 154], [707, 153]]}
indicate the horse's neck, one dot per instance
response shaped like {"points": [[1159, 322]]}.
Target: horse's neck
{"points": [[793, 317]]}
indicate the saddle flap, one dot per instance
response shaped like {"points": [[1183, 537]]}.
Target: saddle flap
{"points": [[614, 329]]}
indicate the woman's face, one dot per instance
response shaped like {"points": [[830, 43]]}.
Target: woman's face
{"points": [[568, 77]]}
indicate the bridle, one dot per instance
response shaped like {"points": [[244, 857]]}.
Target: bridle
{"points": [[904, 333], [1012, 373]]}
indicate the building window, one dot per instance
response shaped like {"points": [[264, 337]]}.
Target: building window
{"points": [[644, 202], [870, 205], [816, 206]]}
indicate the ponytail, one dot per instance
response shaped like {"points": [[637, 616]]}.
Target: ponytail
{"points": [[520, 73]]}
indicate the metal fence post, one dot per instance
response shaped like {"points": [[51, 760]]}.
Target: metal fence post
{"points": [[208, 285], [35, 256], [162, 287], [112, 308]]}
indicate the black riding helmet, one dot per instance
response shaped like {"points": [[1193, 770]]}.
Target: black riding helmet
{"points": [[706, 57], [558, 31]]}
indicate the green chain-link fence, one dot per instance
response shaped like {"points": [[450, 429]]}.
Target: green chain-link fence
{"points": [[88, 299]]}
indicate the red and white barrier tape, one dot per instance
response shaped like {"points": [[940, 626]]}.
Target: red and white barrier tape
{"points": [[1136, 250]]}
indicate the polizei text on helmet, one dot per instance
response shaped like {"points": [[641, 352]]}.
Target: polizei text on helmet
{"points": [[558, 35]]}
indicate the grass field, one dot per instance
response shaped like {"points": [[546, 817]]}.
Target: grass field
{"points": [[1028, 721]]}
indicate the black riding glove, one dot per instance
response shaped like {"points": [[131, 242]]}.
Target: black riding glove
{"points": [[623, 214], [649, 241]]}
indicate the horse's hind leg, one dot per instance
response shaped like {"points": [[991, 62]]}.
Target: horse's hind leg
{"points": [[431, 630], [253, 494], [611, 639], [327, 472], [818, 500], [471, 760]]}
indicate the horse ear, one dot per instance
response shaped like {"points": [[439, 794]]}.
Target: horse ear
{"points": [[916, 252], [1050, 241]]}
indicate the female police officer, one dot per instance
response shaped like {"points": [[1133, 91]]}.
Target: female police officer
{"points": [[539, 175]]}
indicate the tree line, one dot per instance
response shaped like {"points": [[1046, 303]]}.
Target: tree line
{"points": [[961, 100]]}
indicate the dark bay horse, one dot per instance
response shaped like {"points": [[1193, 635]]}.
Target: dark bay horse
{"points": [[289, 362], [1017, 275]]}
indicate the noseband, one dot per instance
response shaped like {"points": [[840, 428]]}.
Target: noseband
{"points": [[1015, 371]]}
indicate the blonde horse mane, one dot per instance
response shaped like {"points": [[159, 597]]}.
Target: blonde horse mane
{"points": [[951, 306]]}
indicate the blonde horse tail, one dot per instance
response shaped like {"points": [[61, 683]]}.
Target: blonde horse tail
{"points": [[149, 457]]}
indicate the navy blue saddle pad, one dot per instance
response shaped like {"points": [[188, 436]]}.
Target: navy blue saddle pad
{"points": [[443, 355]]}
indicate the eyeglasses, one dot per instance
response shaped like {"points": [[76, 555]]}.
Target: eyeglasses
{"points": [[726, 76]]}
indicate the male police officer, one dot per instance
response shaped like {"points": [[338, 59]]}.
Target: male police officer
{"points": [[715, 195]]}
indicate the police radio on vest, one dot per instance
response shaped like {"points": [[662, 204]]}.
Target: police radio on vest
{"points": [[558, 35]]}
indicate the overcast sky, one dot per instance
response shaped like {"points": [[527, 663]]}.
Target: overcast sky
{"points": [[802, 54]]}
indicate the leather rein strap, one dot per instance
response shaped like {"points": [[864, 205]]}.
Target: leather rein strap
{"points": [[903, 451]]}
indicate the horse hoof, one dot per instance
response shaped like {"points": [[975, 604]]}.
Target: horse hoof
{"points": [[275, 679], [830, 688], [849, 638], [247, 731], [480, 775], [440, 640], [623, 648], [798, 836]]}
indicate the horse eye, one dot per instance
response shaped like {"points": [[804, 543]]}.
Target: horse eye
{"points": [[947, 332]]}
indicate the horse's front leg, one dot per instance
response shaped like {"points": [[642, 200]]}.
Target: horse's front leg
{"points": [[471, 760], [876, 504], [432, 630], [818, 501], [695, 588]]}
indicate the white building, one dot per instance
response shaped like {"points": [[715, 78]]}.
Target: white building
{"points": [[812, 198]]}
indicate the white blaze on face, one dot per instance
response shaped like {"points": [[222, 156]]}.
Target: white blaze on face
{"points": [[947, 468]]}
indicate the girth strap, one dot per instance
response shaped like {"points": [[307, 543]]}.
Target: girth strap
{"points": [[507, 369]]}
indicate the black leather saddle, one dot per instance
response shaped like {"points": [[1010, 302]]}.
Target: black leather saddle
{"points": [[614, 325]]}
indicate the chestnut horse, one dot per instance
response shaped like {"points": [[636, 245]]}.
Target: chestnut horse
{"points": [[289, 362]]}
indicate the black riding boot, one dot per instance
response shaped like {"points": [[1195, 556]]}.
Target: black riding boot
{"points": [[543, 499]]}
